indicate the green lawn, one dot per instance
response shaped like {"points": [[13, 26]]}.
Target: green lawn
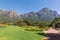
{"points": [[17, 33]]}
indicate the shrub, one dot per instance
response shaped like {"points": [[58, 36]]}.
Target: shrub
{"points": [[2, 25], [57, 24], [43, 24], [30, 29], [46, 28]]}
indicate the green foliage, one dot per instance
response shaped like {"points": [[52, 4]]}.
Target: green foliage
{"points": [[34, 23], [31, 22], [30, 29], [2, 25], [43, 24], [34, 29], [57, 24], [57, 19], [46, 28], [20, 23]]}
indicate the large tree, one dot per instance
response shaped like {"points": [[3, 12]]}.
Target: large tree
{"points": [[30, 22], [20, 23], [43, 24], [56, 22]]}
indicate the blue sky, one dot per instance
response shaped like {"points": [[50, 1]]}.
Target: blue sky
{"points": [[24, 6]]}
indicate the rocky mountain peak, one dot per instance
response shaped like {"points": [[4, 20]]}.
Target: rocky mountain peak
{"points": [[44, 14]]}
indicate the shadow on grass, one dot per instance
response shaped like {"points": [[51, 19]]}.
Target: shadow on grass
{"points": [[42, 34], [39, 32]]}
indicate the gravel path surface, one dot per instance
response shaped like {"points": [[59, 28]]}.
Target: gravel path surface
{"points": [[52, 34], [52, 37]]}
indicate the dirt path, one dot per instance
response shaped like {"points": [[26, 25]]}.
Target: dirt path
{"points": [[52, 37], [52, 34]]}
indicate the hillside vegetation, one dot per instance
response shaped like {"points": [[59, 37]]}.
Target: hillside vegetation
{"points": [[29, 26]]}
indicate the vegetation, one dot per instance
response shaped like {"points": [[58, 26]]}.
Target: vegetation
{"points": [[20, 23], [43, 24], [30, 22], [56, 22], [18, 33], [26, 29], [29, 26]]}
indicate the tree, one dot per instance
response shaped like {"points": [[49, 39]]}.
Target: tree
{"points": [[30, 22], [20, 23], [43, 24], [56, 22]]}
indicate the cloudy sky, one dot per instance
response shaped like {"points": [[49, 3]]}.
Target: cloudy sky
{"points": [[24, 6]]}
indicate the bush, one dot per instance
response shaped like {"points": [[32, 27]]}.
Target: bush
{"points": [[2, 25], [30, 29], [34, 29], [57, 24], [46, 28], [43, 24], [20, 23]]}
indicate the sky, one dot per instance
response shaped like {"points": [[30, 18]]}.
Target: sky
{"points": [[25, 6]]}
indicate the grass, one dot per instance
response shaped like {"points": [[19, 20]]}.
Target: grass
{"points": [[17, 33]]}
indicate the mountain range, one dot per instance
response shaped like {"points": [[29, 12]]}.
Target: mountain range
{"points": [[45, 14]]}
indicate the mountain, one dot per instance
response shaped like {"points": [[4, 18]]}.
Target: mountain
{"points": [[8, 16], [44, 14]]}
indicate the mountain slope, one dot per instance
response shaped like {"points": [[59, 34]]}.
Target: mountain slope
{"points": [[44, 14], [8, 16]]}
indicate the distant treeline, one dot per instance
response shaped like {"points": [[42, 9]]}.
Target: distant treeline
{"points": [[55, 23]]}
